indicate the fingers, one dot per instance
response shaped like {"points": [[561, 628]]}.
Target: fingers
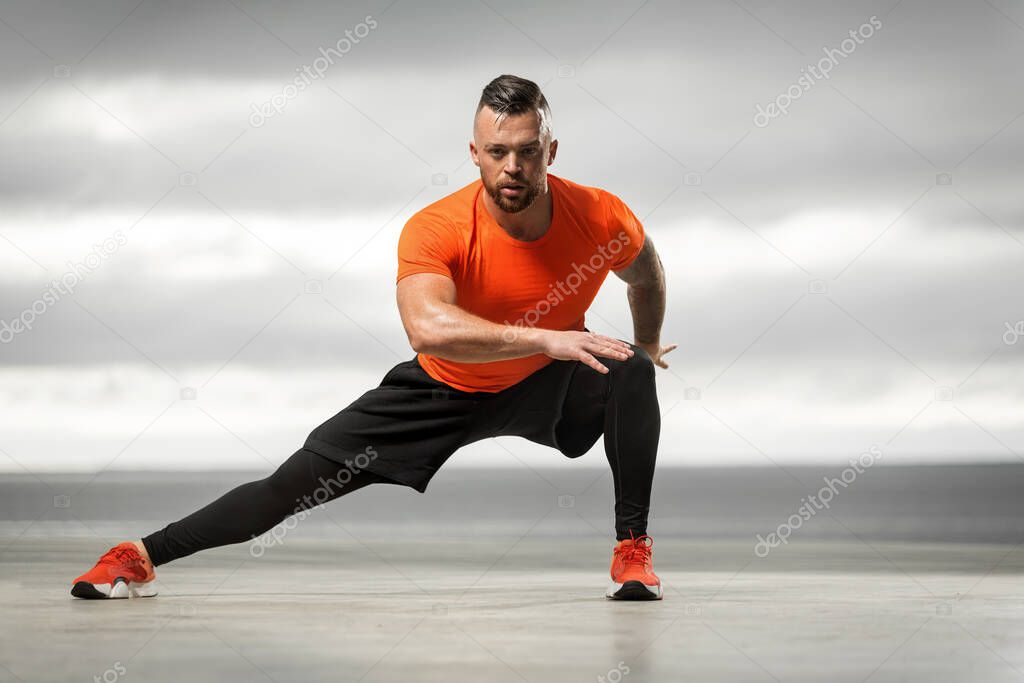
{"points": [[585, 357], [665, 350], [609, 347], [616, 343], [607, 352]]}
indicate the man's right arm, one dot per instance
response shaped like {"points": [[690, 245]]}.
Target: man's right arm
{"points": [[437, 326]]}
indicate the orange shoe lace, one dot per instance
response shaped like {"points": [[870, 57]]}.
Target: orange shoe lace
{"points": [[639, 552], [123, 557]]}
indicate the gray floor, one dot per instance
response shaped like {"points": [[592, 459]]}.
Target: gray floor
{"points": [[388, 585], [523, 609]]}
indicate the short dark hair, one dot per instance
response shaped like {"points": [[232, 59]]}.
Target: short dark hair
{"points": [[509, 95]]}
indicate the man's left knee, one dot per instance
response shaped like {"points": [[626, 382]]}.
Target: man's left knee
{"points": [[638, 366]]}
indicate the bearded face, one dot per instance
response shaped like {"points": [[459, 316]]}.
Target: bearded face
{"points": [[513, 153], [513, 195]]}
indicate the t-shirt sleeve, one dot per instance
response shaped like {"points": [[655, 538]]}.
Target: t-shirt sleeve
{"points": [[625, 228], [428, 245]]}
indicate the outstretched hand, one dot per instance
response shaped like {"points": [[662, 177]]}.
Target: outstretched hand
{"points": [[657, 352], [585, 347]]}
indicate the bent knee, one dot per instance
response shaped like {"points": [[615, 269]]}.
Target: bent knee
{"points": [[638, 367]]}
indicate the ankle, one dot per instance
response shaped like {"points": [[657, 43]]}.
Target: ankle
{"points": [[145, 555]]}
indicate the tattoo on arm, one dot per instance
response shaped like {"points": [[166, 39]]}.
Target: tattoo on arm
{"points": [[646, 293]]}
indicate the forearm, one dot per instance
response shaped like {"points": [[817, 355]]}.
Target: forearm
{"points": [[647, 304], [455, 334]]}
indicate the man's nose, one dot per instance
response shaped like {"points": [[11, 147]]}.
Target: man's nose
{"points": [[512, 165]]}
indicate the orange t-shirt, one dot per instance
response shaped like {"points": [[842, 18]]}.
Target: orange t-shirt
{"points": [[547, 283]]}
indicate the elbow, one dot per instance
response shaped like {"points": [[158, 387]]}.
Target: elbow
{"points": [[417, 341], [419, 344], [654, 283], [422, 338], [652, 279]]}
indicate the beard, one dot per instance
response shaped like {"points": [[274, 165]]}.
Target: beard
{"points": [[515, 204]]}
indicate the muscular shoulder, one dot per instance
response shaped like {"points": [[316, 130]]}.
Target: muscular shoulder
{"points": [[581, 198], [434, 238], [593, 202], [608, 219], [595, 205], [453, 211]]}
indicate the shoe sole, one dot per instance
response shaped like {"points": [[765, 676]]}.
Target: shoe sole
{"points": [[119, 590], [633, 590]]}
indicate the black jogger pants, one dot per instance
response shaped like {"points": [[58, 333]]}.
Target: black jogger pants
{"points": [[402, 431]]}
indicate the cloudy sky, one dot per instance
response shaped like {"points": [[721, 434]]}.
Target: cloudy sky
{"points": [[844, 274]]}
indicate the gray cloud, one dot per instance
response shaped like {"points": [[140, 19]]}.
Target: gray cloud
{"points": [[654, 101]]}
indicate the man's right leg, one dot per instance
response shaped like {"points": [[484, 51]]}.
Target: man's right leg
{"points": [[304, 480], [256, 507]]}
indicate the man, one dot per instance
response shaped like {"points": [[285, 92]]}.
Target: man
{"points": [[493, 283]]}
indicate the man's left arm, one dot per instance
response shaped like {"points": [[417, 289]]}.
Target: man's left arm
{"points": [[645, 280]]}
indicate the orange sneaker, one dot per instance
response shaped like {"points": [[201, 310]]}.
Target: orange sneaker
{"points": [[632, 571], [122, 572]]}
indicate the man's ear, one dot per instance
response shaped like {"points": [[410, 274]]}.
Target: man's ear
{"points": [[552, 150], [472, 153]]}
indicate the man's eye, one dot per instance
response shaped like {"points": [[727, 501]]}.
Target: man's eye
{"points": [[530, 151]]}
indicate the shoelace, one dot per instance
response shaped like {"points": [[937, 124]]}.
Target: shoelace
{"points": [[640, 550], [123, 557]]}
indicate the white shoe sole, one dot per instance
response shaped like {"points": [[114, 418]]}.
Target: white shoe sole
{"points": [[120, 590]]}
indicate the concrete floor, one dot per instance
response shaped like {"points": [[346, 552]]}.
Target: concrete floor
{"points": [[521, 609]]}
